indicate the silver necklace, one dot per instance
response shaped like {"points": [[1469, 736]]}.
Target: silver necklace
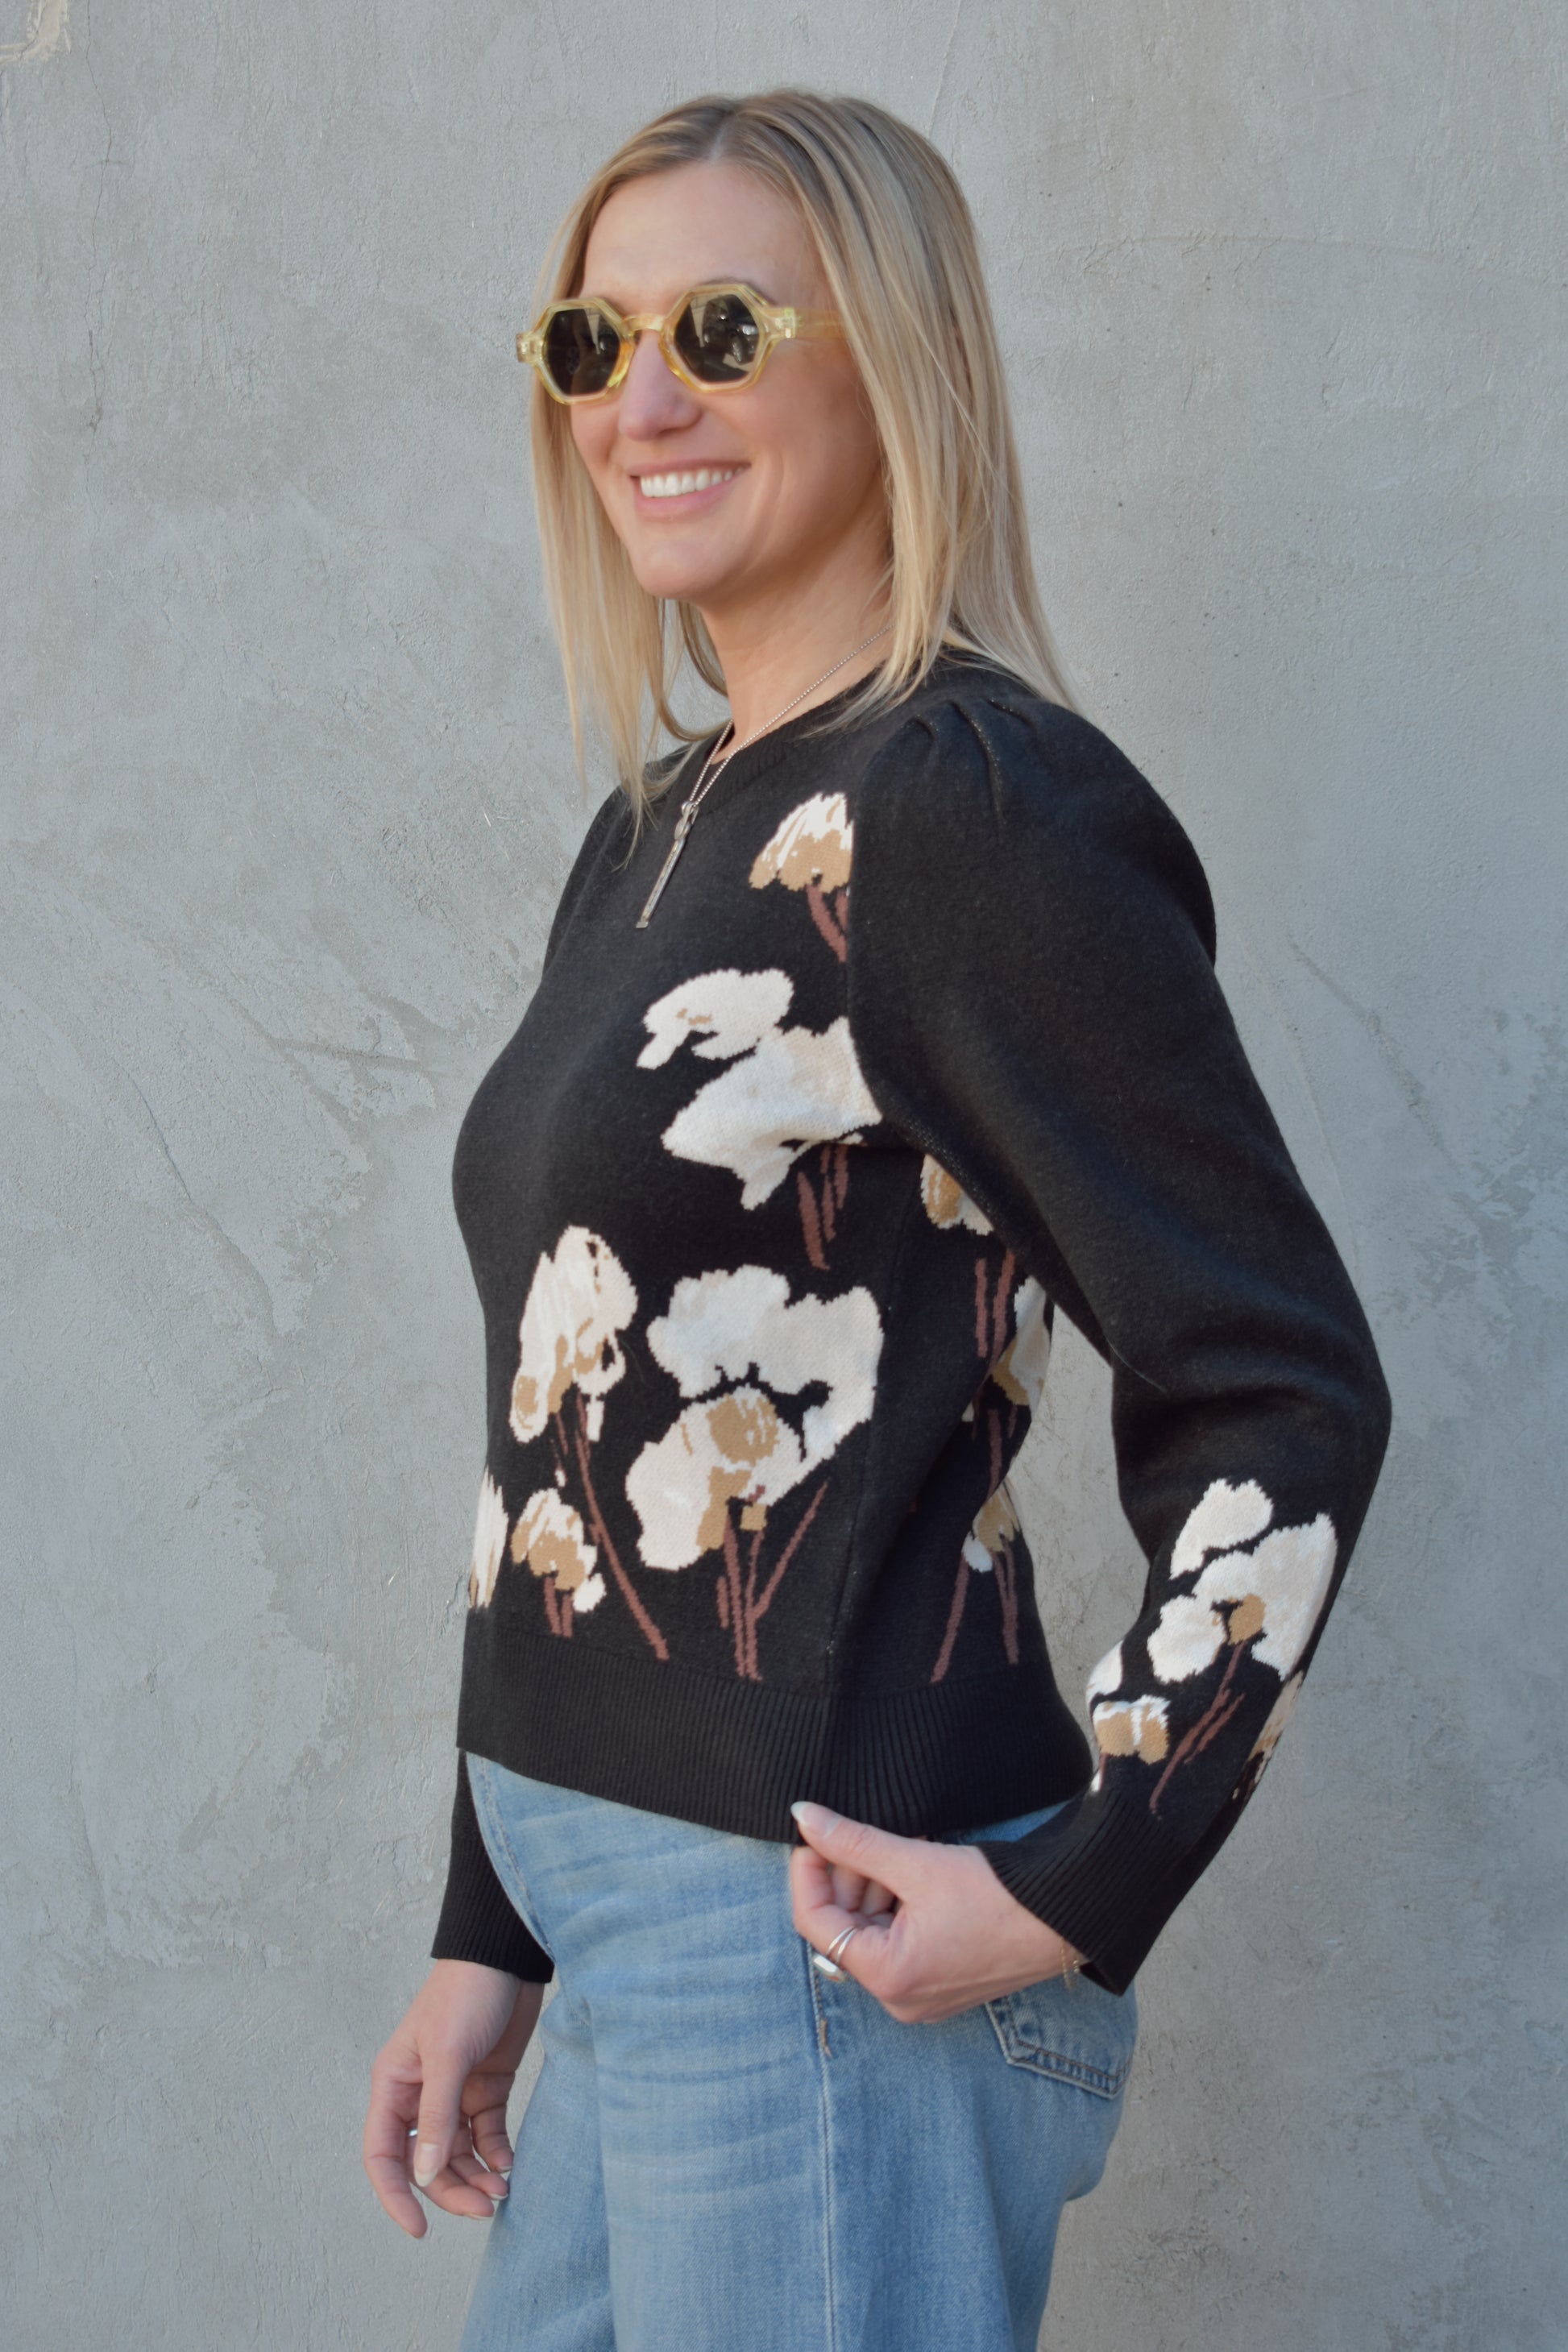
{"points": [[712, 773]]}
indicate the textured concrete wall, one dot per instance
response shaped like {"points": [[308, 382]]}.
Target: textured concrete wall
{"points": [[286, 804]]}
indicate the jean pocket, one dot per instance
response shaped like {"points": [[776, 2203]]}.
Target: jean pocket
{"points": [[1072, 2030]]}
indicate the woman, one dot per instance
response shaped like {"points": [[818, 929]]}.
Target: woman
{"points": [[770, 1203]]}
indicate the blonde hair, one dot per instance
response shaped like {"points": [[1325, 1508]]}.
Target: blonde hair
{"points": [[896, 247]]}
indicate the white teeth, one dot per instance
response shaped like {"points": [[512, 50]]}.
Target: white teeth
{"points": [[679, 486]]}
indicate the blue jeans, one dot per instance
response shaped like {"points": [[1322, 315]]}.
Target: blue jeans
{"points": [[724, 2152]]}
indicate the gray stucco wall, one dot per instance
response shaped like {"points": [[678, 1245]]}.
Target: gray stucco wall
{"points": [[287, 803]]}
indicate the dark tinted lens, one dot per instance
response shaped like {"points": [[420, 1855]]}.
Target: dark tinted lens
{"points": [[581, 348], [717, 337]]}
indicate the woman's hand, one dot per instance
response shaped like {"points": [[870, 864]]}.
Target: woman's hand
{"points": [[449, 2068], [940, 1932]]}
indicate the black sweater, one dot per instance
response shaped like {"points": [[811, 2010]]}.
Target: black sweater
{"points": [[770, 1206]]}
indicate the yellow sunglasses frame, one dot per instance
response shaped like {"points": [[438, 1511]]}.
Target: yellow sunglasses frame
{"points": [[780, 324]]}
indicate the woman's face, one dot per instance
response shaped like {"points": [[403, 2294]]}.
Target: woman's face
{"points": [[793, 460]]}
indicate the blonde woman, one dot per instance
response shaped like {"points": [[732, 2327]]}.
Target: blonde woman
{"points": [[873, 1029]]}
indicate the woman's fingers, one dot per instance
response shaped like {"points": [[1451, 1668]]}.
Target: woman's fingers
{"points": [[491, 2142], [849, 1888], [394, 2103], [465, 2188], [437, 2118], [952, 1936]]}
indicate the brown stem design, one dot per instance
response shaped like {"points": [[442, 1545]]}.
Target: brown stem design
{"points": [[811, 1223], [1006, 1573], [954, 1618], [827, 919], [828, 1193], [732, 1576], [661, 1647], [751, 1669], [1209, 1727], [788, 1553], [999, 1305]]}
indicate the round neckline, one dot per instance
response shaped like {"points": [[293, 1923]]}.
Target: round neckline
{"points": [[763, 748], [768, 749]]}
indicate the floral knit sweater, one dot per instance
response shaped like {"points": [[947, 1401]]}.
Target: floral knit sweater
{"points": [[771, 1205]]}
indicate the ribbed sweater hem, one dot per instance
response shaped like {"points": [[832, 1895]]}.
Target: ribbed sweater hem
{"points": [[735, 1755]]}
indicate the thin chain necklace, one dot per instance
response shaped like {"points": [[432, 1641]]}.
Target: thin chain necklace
{"points": [[711, 772]]}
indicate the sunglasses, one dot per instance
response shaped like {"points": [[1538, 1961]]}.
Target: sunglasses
{"points": [[716, 339]]}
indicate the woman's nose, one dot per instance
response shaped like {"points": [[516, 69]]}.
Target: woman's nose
{"points": [[653, 398]]}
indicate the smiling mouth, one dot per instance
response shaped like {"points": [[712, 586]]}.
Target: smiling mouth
{"points": [[682, 485]]}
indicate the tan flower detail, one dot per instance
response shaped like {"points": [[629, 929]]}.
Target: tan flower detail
{"points": [[729, 1448], [946, 1202], [994, 1523], [1275, 1592], [737, 1445], [552, 1538], [489, 1542], [579, 1302], [1020, 1370], [1133, 1727], [815, 843]]}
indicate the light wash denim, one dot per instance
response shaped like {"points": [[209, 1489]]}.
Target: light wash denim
{"points": [[725, 2152]]}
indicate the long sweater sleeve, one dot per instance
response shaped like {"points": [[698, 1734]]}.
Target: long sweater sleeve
{"points": [[478, 1919], [1034, 1002]]}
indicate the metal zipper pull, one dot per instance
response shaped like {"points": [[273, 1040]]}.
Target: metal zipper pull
{"points": [[683, 825]]}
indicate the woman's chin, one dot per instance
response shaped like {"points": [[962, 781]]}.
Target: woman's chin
{"points": [[685, 582]]}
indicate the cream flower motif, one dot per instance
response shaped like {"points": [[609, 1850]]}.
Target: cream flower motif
{"points": [[552, 1538], [722, 1327], [735, 1447], [815, 843], [1224, 1516], [1276, 1591], [1133, 1727], [787, 1090], [726, 1013], [946, 1202], [489, 1542], [1020, 1369], [579, 1302], [730, 1327], [994, 1522]]}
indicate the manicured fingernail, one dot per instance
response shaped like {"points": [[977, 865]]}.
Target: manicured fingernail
{"points": [[427, 2165]]}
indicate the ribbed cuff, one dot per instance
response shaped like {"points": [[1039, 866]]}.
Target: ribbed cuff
{"points": [[478, 1921], [1102, 1875]]}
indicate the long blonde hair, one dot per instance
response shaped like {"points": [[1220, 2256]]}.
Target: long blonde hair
{"points": [[895, 243]]}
